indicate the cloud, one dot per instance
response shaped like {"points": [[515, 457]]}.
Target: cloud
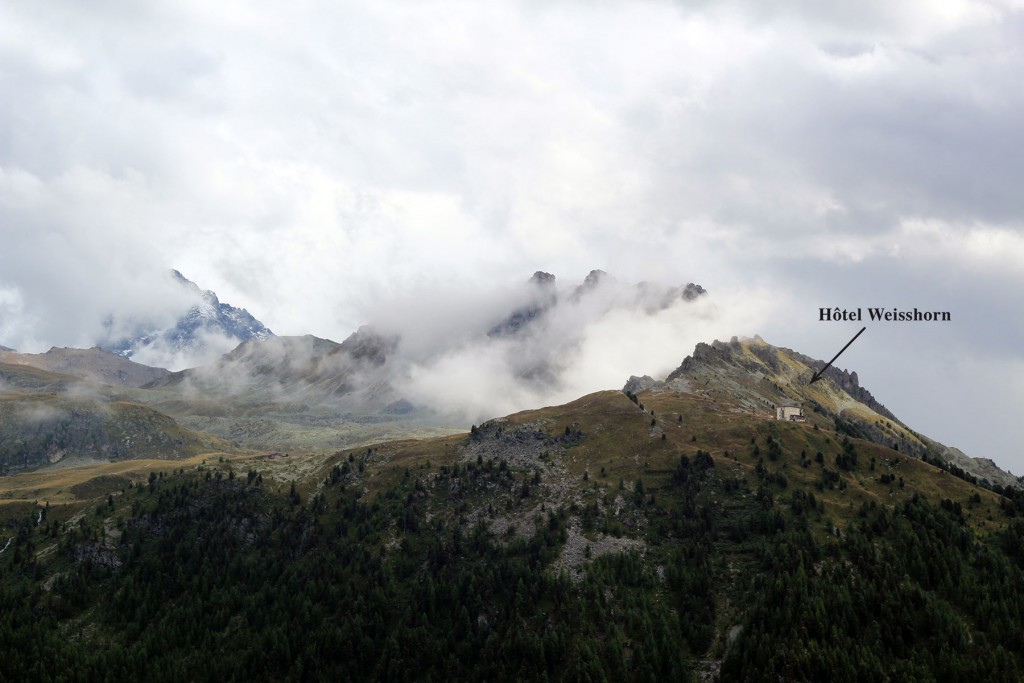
{"points": [[163, 353], [39, 413], [71, 258], [310, 165], [584, 342]]}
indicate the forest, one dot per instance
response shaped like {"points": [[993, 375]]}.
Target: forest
{"points": [[215, 574]]}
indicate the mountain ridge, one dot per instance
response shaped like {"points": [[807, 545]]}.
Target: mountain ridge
{"points": [[95, 364], [667, 537], [48, 419], [757, 376], [269, 389], [207, 318]]}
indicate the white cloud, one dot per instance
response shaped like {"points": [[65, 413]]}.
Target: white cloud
{"points": [[922, 242], [308, 164], [580, 345], [162, 354], [980, 247]]}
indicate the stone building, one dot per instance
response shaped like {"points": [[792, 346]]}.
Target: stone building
{"points": [[790, 413]]}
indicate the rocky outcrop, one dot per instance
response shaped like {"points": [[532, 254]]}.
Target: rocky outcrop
{"points": [[366, 345], [542, 280], [691, 291], [594, 279], [98, 554], [637, 384], [543, 296], [715, 353], [600, 292], [849, 383]]}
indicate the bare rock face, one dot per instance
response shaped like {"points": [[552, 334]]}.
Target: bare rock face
{"points": [[692, 291], [638, 384], [599, 290], [703, 354], [849, 382], [519, 445], [542, 279], [98, 554], [594, 279], [542, 295], [368, 346]]}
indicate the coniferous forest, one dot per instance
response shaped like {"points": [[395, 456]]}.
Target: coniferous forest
{"points": [[216, 573]]}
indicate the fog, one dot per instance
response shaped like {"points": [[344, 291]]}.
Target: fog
{"points": [[585, 340], [461, 356], [162, 353]]}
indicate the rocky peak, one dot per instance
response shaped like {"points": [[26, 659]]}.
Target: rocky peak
{"points": [[543, 297], [95, 365], [368, 345], [850, 383], [542, 279], [181, 279], [704, 354], [207, 318], [594, 279], [692, 291]]}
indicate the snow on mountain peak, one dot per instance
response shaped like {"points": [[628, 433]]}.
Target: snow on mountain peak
{"points": [[205, 330]]}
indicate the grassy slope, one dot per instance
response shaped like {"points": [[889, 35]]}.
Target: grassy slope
{"points": [[619, 443], [48, 418], [619, 437], [612, 444]]}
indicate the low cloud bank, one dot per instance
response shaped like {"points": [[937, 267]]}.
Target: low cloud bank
{"points": [[559, 343], [465, 355]]}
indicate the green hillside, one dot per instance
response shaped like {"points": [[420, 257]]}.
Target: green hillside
{"points": [[48, 419], [664, 537]]}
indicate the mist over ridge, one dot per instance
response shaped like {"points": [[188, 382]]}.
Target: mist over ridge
{"points": [[463, 356], [203, 329]]}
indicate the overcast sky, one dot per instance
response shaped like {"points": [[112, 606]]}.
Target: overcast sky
{"points": [[314, 161]]}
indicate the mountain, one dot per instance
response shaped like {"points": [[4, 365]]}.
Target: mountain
{"points": [[542, 296], [283, 392], [676, 530], [208, 321], [676, 533], [540, 339], [95, 364], [289, 369], [599, 293], [756, 377], [298, 393], [48, 418]]}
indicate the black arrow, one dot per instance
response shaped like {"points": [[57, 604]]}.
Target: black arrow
{"points": [[818, 374]]}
